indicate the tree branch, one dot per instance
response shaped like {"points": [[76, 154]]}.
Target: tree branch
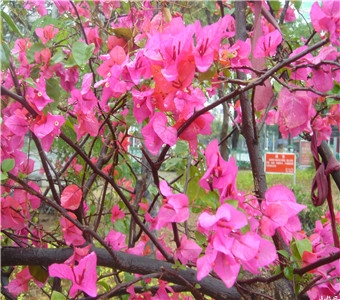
{"points": [[210, 286]]}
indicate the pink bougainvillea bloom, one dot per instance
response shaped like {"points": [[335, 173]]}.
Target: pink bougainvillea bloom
{"points": [[322, 129], [10, 218], [139, 68], [116, 213], [334, 115], [83, 275], [116, 56], [21, 45], [156, 133], [175, 208], [78, 254], [280, 212], [188, 250], [326, 18], [208, 40], [220, 173], [39, 5], [62, 6], [116, 240], [201, 125], [294, 112], [47, 128], [93, 38], [266, 254], [301, 73], [17, 123], [38, 97], [290, 15], [143, 105], [25, 198], [267, 44], [71, 197], [223, 264], [87, 124], [47, 33], [72, 234], [237, 55], [68, 77], [21, 282]]}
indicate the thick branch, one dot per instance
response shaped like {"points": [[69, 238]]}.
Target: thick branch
{"points": [[327, 155], [210, 286]]}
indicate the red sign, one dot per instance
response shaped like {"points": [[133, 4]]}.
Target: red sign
{"points": [[280, 163]]}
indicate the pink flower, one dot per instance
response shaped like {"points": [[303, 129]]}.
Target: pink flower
{"points": [[220, 173], [10, 218], [47, 128], [62, 6], [87, 124], [139, 68], [38, 97], [237, 55], [71, 197], [17, 122], [72, 234], [188, 250], [290, 15], [116, 56], [93, 38], [280, 212], [223, 264], [208, 40], [175, 208], [21, 46], [294, 112], [47, 33], [267, 44], [116, 240], [156, 133], [21, 282], [322, 129], [143, 105], [265, 255], [39, 5], [226, 219], [116, 214], [83, 276], [327, 19]]}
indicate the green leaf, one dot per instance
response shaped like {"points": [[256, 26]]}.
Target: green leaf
{"points": [[284, 253], [104, 285], [39, 273], [288, 272], [5, 56], [297, 4], [53, 89], [10, 23], [57, 57], [37, 47], [181, 148], [3, 176], [200, 238], [7, 164], [275, 5], [121, 226], [303, 245], [57, 296], [70, 62], [82, 52], [125, 33]]}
